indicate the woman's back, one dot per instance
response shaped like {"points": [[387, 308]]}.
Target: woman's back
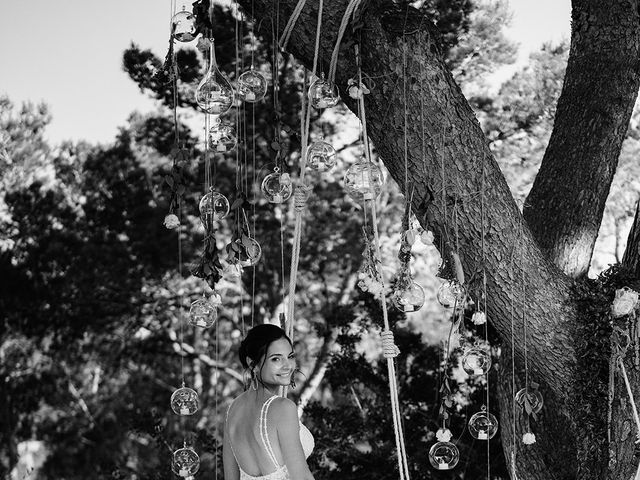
{"points": [[253, 436]]}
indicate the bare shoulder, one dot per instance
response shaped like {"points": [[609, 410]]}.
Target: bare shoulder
{"points": [[284, 410]]}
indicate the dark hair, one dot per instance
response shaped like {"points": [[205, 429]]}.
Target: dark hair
{"points": [[257, 342]]}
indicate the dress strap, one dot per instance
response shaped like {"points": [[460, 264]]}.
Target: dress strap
{"points": [[264, 435]]}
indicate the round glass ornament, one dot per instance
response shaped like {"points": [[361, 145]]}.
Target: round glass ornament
{"points": [[222, 137], [321, 156], [408, 299], [363, 180], [184, 401], [214, 94], [252, 86], [202, 313], [213, 206], [183, 26], [250, 252], [483, 425], [534, 397], [444, 455], [277, 187], [323, 94], [476, 361], [185, 462], [451, 294]]}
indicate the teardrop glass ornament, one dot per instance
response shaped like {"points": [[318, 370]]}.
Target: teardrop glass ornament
{"points": [[444, 455], [184, 401], [363, 180], [408, 299], [213, 207], [185, 462], [214, 94], [451, 294], [476, 361], [252, 86], [483, 425], [222, 137], [202, 313], [183, 26], [321, 156], [323, 94], [533, 397], [277, 187]]}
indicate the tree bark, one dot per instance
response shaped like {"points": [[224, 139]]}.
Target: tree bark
{"points": [[631, 258], [463, 198], [566, 203]]}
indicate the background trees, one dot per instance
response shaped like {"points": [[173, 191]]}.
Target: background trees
{"points": [[90, 344]]}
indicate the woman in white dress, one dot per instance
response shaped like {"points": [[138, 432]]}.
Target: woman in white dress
{"points": [[263, 438]]}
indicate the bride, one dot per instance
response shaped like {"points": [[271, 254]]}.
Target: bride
{"points": [[263, 438]]}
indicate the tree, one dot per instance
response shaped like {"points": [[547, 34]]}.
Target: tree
{"points": [[565, 314]]}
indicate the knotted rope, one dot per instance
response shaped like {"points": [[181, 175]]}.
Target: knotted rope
{"points": [[389, 348]]}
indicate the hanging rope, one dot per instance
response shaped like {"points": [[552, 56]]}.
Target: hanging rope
{"points": [[286, 34], [346, 18], [390, 350]]}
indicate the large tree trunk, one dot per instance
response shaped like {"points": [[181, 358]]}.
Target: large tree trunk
{"points": [[566, 203], [456, 179]]}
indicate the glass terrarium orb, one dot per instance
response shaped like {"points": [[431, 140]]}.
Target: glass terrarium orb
{"points": [[222, 137], [323, 94], [476, 361], [534, 397], [444, 455], [183, 26], [185, 462], [213, 206], [184, 401], [363, 180], [250, 252], [483, 425], [214, 94], [277, 187], [202, 313], [409, 298], [252, 86], [321, 156], [451, 294]]}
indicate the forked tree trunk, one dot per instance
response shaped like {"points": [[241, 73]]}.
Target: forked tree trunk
{"points": [[457, 182]]}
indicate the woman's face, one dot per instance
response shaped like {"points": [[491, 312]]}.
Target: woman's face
{"points": [[279, 364]]}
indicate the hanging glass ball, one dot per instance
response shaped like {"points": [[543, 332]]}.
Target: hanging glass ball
{"points": [[213, 207], [202, 313], [323, 94], [534, 398], [444, 455], [321, 156], [222, 137], [277, 187], [363, 180], [251, 253], [183, 26], [185, 462], [476, 361], [252, 86], [451, 294], [184, 401], [408, 299], [483, 425]]}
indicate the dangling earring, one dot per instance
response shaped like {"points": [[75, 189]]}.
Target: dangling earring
{"points": [[254, 381]]}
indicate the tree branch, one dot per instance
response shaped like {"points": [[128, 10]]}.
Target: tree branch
{"points": [[631, 258], [566, 203]]}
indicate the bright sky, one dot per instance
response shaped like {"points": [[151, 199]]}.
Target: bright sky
{"points": [[68, 53]]}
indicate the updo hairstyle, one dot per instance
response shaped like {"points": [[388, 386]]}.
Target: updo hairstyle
{"points": [[256, 343]]}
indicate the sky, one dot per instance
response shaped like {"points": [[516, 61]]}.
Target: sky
{"points": [[68, 53]]}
